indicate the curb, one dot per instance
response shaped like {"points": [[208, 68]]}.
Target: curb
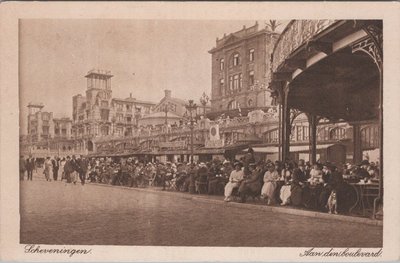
{"points": [[284, 210]]}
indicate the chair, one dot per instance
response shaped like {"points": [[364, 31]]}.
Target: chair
{"points": [[200, 187]]}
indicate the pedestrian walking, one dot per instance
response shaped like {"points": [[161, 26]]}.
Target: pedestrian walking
{"points": [[22, 168], [30, 166], [56, 164], [48, 168]]}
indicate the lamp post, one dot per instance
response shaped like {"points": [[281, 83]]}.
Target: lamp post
{"points": [[190, 107], [204, 100]]}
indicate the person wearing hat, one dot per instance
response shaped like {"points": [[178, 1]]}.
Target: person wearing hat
{"points": [[251, 186], [235, 178], [48, 167], [22, 168], [30, 166], [268, 189], [362, 172]]}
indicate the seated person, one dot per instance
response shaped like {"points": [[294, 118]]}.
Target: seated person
{"points": [[285, 191], [214, 175], [362, 172], [268, 189], [235, 178], [316, 174], [93, 174], [251, 186], [201, 178]]}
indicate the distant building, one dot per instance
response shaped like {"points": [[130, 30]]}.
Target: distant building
{"points": [[40, 123], [240, 71], [98, 114], [171, 111]]}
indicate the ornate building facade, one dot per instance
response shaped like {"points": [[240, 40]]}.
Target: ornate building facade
{"points": [[240, 70], [99, 114]]}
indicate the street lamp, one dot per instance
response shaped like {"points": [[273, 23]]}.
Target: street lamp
{"points": [[191, 107], [204, 100], [167, 107]]}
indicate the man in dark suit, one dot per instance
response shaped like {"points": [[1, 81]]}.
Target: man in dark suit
{"points": [[82, 166], [56, 164], [30, 166]]}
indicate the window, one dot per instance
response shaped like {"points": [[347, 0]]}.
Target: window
{"points": [[104, 103], [128, 107], [230, 83], [104, 115], [250, 102], [120, 117], [251, 55], [57, 131], [221, 87], [240, 81], [236, 60], [64, 131], [221, 64], [300, 133], [232, 105], [251, 77], [119, 107], [104, 130], [236, 82], [128, 119]]}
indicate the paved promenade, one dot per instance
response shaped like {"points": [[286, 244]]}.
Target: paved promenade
{"points": [[60, 213]]}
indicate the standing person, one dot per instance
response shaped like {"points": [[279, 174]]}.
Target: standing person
{"points": [[82, 168], [74, 169], [48, 167], [56, 164], [62, 164], [30, 166], [68, 169], [22, 168], [268, 189], [235, 178]]}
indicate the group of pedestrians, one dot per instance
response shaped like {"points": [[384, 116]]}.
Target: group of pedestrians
{"points": [[26, 166], [288, 183]]}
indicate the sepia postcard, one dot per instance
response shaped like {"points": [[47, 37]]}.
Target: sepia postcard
{"points": [[199, 131]]}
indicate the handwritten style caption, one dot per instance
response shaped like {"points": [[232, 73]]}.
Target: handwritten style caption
{"points": [[36, 249], [342, 252]]}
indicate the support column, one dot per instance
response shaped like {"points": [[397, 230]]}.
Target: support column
{"points": [[286, 129], [357, 151], [313, 122]]}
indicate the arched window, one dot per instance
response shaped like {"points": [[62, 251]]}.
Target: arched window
{"points": [[236, 59], [250, 102], [221, 64], [251, 55], [337, 133]]}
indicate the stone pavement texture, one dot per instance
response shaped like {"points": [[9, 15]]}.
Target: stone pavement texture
{"points": [[60, 213]]}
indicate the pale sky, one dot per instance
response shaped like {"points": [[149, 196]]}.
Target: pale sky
{"points": [[55, 55]]}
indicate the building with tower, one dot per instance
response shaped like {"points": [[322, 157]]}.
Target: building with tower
{"points": [[98, 114]]}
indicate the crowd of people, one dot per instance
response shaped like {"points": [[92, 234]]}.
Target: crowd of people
{"points": [[289, 183]]}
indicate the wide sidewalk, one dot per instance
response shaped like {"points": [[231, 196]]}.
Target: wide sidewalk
{"points": [[255, 205]]}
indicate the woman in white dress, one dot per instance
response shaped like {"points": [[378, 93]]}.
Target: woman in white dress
{"points": [[62, 164], [286, 176], [48, 169], [268, 189], [235, 179]]}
